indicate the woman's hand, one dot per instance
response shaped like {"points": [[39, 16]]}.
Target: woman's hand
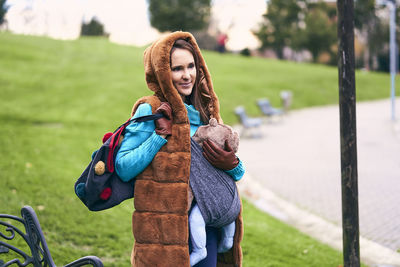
{"points": [[219, 158], [164, 125]]}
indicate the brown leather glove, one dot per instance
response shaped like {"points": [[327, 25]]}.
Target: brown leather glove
{"points": [[219, 158], [164, 125]]}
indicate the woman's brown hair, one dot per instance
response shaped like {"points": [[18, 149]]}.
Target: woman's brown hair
{"points": [[195, 97]]}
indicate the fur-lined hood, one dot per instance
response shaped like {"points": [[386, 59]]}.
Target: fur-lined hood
{"points": [[158, 76]]}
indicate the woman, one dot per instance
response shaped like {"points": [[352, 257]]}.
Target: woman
{"points": [[157, 155]]}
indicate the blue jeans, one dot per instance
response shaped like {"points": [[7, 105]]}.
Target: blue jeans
{"points": [[211, 245]]}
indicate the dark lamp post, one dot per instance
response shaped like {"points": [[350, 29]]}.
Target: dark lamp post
{"points": [[348, 134]]}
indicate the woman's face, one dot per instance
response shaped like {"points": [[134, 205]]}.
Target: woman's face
{"points": [[183, 71]]}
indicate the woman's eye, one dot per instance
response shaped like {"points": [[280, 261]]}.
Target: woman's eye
{"points": [[191, 65], [176, 68]]}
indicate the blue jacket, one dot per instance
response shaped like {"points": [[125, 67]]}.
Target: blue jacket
{"points": [[141, 144]]}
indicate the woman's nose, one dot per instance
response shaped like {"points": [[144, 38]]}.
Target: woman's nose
{"points": [[186, 74]]}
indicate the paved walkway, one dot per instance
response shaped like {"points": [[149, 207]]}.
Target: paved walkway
{"points": [[293, 172]]}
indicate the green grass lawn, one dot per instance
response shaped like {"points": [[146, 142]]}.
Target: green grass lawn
{"points": [[57, 100]]}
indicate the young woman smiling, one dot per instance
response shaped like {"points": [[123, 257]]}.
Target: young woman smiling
{"points": [[157, 155]]}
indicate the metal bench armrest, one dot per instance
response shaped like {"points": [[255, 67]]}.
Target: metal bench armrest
{"points": [[87, 260]]}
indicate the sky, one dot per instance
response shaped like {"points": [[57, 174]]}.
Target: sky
{"points": [[127, 21]]}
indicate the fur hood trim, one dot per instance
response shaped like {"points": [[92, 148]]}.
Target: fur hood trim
{"points": [[158, 76]]}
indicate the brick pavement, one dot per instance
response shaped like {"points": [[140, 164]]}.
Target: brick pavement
{"points": [[298, 161]]}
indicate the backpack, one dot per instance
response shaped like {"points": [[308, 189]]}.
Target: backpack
{"points": [[99, 187]]}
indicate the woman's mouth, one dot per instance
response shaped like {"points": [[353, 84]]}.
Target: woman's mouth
{"points": [[186, 85]]}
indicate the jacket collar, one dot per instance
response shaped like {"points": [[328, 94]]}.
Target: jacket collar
{"points": [[193, 115]]}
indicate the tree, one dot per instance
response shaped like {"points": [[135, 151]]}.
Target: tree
{"points": [[299, 24], [281, 24], [174, 15], [93, 28], [320, 32], [3, 10], [368, 25]]}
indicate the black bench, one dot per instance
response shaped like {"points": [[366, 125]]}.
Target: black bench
{"points": [[39, 254]]}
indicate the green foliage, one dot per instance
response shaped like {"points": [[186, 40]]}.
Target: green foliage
{"points": [[280, 25], [58, 98], [320, 32], [174, 15], [93, 28], [364, 13], [373, 34], [245, 52], [3, 10], [299, 25], [312, 25]]}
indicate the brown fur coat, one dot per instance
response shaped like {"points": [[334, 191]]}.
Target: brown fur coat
{"points": [[160, 219]]}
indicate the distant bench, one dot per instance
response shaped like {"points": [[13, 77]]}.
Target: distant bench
{"points": [[33, 237], [286, 98], [248, 123], [267, 109]]}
